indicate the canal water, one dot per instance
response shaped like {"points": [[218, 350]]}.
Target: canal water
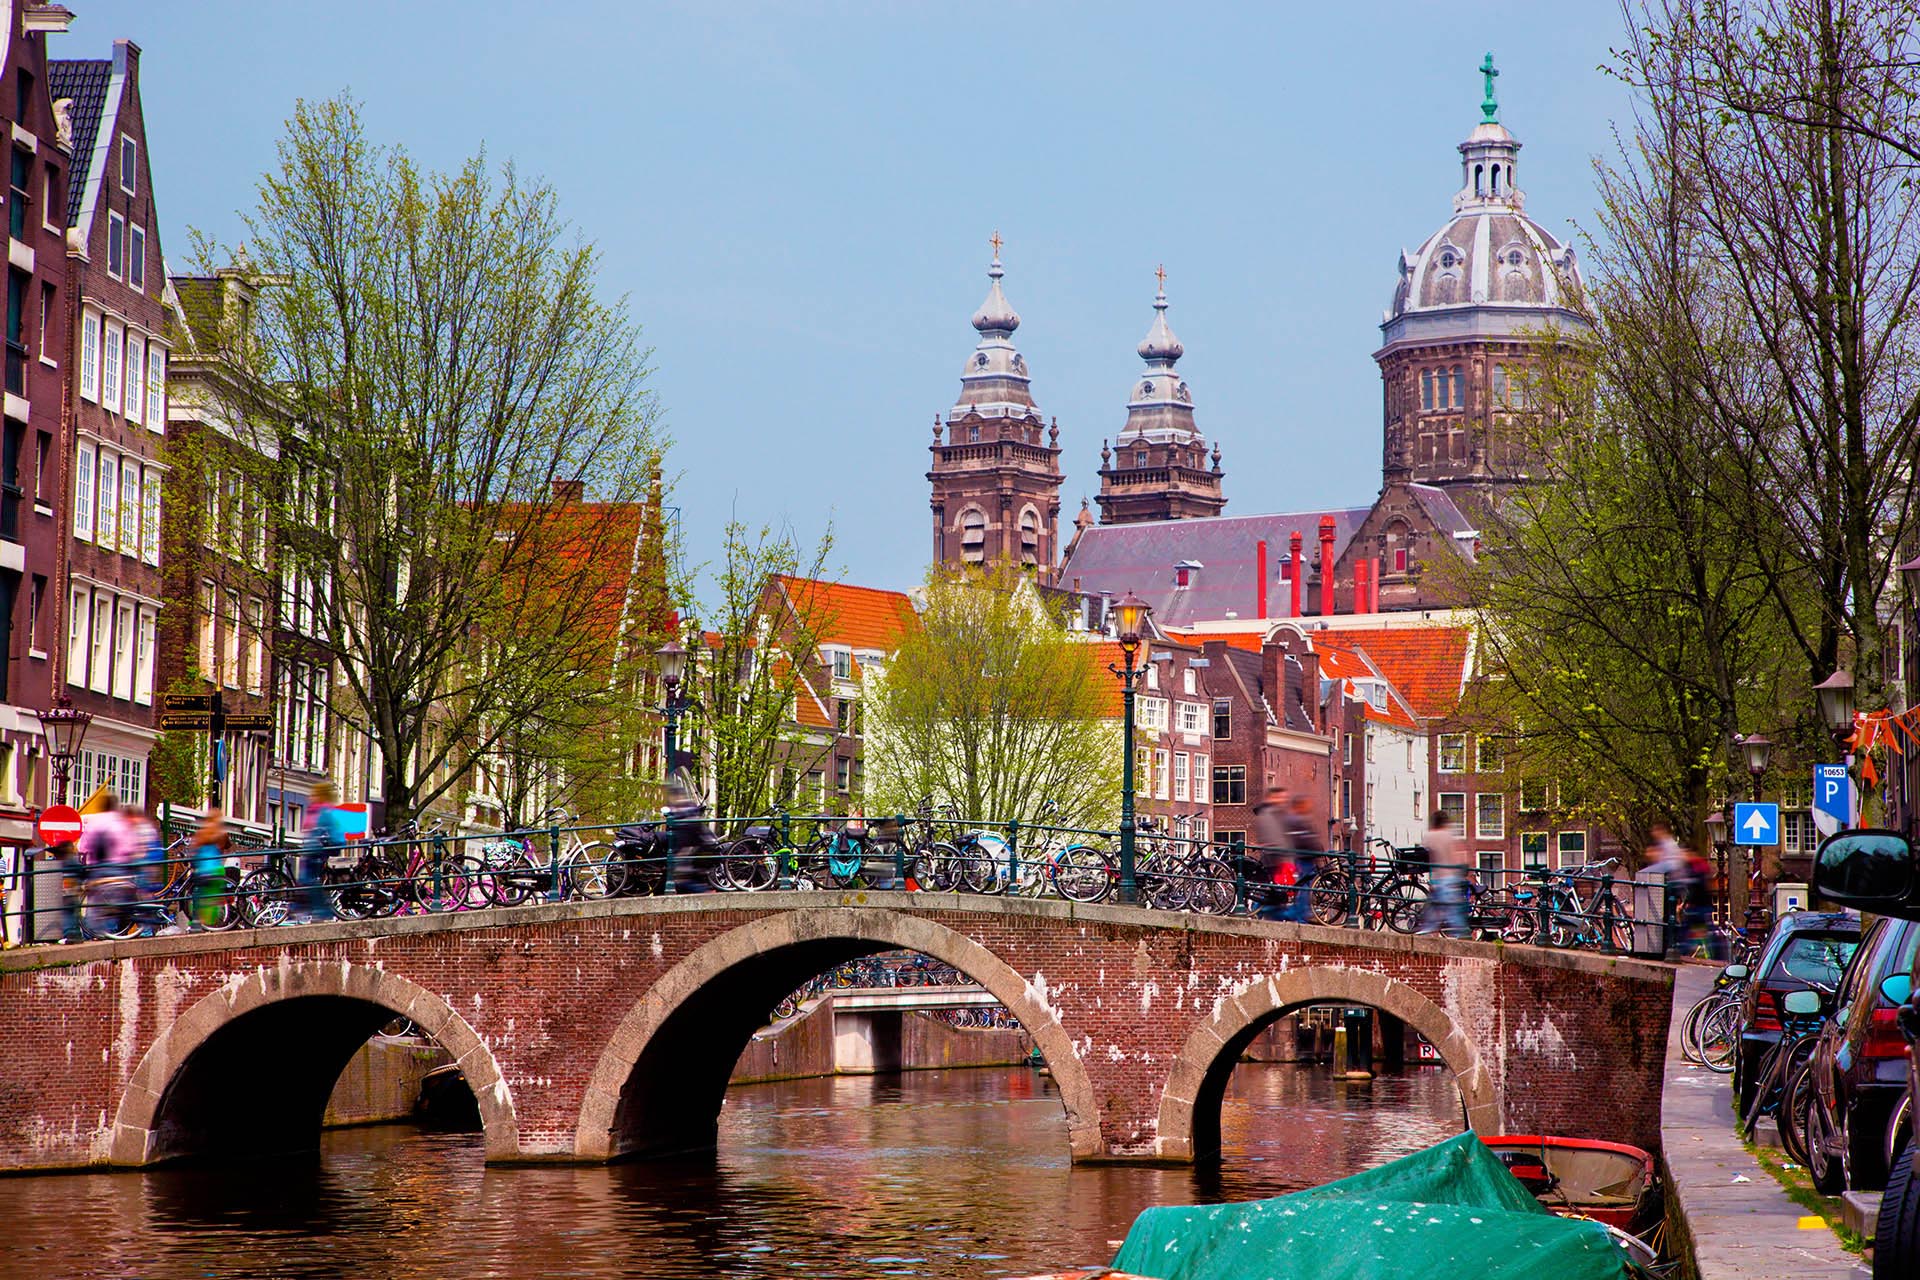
{"points": [[930, 1173]]}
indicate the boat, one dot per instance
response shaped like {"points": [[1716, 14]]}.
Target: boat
{"points": [[1609, 1182]]}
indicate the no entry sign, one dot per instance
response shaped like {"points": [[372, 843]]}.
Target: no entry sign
{"points": [[59, 823]]}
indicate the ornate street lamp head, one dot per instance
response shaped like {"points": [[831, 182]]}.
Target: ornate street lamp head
{"points": [[1758, 749], [1717, 828], [1836, 700], [65, 728], [1130, 612], [672, 659]]}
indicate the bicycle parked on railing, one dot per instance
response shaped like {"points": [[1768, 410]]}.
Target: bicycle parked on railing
{"points": [[1389, 892]]}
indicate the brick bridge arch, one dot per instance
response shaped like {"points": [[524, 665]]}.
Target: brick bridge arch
{"points": [[221, 1076], [1197, 1079], [659, 1083]]}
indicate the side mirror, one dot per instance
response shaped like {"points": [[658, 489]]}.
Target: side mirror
{"points": [[1897, 988], [1735, 973], [1802, 1003], [1869, 871]]}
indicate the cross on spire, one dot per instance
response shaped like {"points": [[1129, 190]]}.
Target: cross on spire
{"points": [[1490, 107], [996, 241], [1160, 274]]}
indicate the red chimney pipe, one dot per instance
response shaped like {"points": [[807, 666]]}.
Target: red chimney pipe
{"points": [[1326, 566], [1294, 542], [1361, 599], [1260, 568], [1373, 583]]}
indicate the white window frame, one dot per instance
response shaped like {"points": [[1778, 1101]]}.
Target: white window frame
{"points": [[1161, 765], [1562, 840], [106, 497], [1458, 743], [256, 645], [78, 620], [1180, 776], [1483, 762], [1191, 717], [230, 641], [129, 150], [90, 356], [1202, 779], [150, 515], [207, 611], [83, 483], [1153, 714], [156, 387], [115, 222], [143, 658], [124, 616], [135, 377], [1482, 829], [136, 257], [130, 507], [1459, 811], [115, 338], [99, 651]]}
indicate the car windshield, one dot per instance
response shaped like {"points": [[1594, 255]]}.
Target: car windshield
{"points": [[1815, 958]]}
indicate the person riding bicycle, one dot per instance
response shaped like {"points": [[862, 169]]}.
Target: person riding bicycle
{"points": [[690, 838], [110, 859], [1270, 841], [327, 828], [210, 844], [1447, 904], [1306, 843]]}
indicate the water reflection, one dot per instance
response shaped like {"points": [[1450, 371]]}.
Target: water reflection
{"points": [[930, 1174]]}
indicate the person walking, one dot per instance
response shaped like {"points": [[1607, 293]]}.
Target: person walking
{"points": [[327, 826], [108, 859], [210, 845], [1305, 845], [1447, 905], [1270, 836], [1689, 906]]}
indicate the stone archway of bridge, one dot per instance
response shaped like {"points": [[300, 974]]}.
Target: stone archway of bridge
{"points": [[1190, 1102], [257, 1041], [659, 1082]]}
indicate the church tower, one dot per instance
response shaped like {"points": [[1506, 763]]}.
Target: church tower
{"points": [[1471, 312], [1158, 469], [996, 465]]}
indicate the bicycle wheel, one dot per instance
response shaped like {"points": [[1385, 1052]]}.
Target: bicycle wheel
{"points": [[1795, 1097], [1403, 903], [590, 872], [748, 865], [1082, 873], [453, 881], [1160, 885], [973, 869], [1614, 924], [1720, 1038], [265, 898], [511, 874], [1330, 899], [1211, 892], [1564, 919]]}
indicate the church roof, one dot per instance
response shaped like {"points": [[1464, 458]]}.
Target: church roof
{"points": [[1143, 558]]}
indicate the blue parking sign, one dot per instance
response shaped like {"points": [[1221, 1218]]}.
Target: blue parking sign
{"points": [[1833, 793], [1756, 824]]}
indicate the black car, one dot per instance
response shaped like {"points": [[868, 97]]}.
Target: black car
{"points": [[1806, 949], [1860, 1068]]}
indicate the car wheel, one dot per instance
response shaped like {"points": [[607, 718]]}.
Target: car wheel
{"points": [[1896, 1233]]}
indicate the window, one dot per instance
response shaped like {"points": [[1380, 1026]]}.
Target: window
{"points": [[150, 516], [206, 629], [130, 501], [1459, 388], [1231, 839], [107, 522], [143, 660], [1399, 559], [1186, 680], [212, 531], [1490, 755], [1192, 715], [1229, 784], [1533, 795], [1500, 385], [1426, 389], [1153, 676], [116, 245], [136, 376], [83, 492], [1454, 805], [256, 645], [1573, 848], [90, 356], [46, 313], [1180, 776], [230, 643], [35, 599], [1490, 815], [129, 165], [1160, 778], [77, 618], [973, 531], [1533, 848], [842, 774], [843, 664], [100, 674], [1492, 860], [1346, 748], [137, 257], [1453, 752], [1223, 717], [110, 366], [1153, 713], [156, 387], [123, 650], [42, 471], [1346, 797]]}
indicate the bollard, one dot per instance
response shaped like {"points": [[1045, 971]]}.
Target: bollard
{"points": [[666, 827], [554, 893], [1013, 854], [1353, 888], [439, 868], [1241, 902], [1606, 912]]}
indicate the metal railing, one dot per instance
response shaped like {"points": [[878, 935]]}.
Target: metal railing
{"points": [[934, 851]]}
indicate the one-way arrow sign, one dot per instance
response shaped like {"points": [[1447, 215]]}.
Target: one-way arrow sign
{"points": [[1756, 824]]}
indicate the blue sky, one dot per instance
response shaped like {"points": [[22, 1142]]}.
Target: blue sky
{"points": [[796, 200]]}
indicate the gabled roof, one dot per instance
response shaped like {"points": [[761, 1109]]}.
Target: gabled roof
{"points": [[85, 81], [856, 617], [809, 709], [1141, 557], [1427, 665]]}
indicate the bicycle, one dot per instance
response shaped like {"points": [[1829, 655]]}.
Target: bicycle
{"points": [[1388, 896], [1710, 1031], [1787, 1058]]}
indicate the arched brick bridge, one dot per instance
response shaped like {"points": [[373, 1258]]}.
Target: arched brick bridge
{"points": [[593, 1031]]}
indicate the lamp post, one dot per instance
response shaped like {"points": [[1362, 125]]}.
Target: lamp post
{"points": [[65, 728], [1130, 623], [672, 659], [1758, 749], [1836, 708], [1717, 833]]}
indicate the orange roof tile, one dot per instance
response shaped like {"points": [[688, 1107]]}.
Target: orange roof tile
{"points": [[1428, 665], [858, 617]]}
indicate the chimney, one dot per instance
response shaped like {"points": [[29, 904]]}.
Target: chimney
{"points": [[570, 490], [1361, 585], [1373, 584], [1294, 542], [1260, 573], [1326, 566]]}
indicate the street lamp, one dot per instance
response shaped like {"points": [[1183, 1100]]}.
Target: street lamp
{"points": [[1130, 619], [1758, 749], [672, 660], [1836, 704], [1717, 833], [65, 728]]}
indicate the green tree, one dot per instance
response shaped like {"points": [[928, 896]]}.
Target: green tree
{"points": [[993, 706], [427, 368]]}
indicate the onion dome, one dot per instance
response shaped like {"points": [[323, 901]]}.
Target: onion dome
{"points": [[994, 382], [1161, 405]]}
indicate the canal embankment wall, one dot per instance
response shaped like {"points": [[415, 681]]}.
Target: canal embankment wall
{"points": [[1727, 1218], [381, 1083]]}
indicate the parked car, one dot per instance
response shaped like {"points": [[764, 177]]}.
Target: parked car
{"points": [[1877, 871], [1806, 949], [1854, 1111]]}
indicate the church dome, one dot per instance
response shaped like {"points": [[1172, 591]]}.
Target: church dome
{"points": [[1491, 270], [995, 381]]}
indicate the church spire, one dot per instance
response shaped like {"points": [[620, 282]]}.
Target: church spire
{"points": [[995, 381], [1159, 471]]}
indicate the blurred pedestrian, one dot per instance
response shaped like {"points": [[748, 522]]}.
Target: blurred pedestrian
{"points": [[688, 837], [326, 834], [210, 845], [1305, 845], [1689, 900], [1270, 842], [109, 860], [1446, 910]]}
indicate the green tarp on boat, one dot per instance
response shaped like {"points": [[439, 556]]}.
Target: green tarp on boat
{"points": [[1450, 1211]]}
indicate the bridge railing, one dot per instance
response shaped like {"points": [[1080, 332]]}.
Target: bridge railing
{"points": [[933, 851]]}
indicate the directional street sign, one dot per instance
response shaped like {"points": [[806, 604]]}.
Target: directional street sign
{"points": [[1832, 798], [249, 721], [186, 720], [188, 701], [1757, 824]]}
